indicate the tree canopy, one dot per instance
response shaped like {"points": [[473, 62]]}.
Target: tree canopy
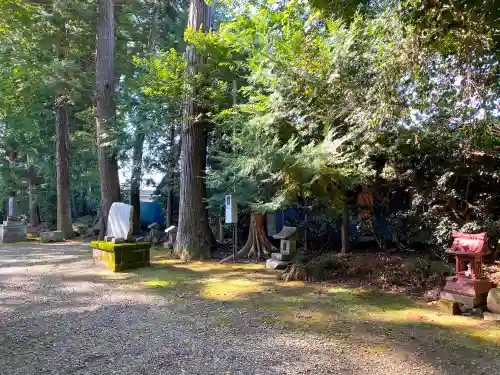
{"points": [[300, 103]]}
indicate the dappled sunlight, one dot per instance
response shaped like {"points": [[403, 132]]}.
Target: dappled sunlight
{"points": [[157, 284], [461, 325], [224, 290], [212, 266], [383, 321], [415, 315], [115, 276], [247, 298]]}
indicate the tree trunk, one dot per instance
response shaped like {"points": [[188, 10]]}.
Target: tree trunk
{"points": [[345, 227], [35, 219], [34, 210], [64, 223], [136, 180], [194, 236], [135, 183], [170, 208], [257, 245], [174, 159], [221, 229], [106, 108]]}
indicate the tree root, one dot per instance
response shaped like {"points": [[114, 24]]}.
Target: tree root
{"points": [[257, 246]]}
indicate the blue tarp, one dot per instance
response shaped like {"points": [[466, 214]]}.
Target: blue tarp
{"points": [[152, 212]]}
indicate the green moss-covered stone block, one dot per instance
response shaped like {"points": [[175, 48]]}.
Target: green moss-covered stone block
{"points": [[120, 257]]}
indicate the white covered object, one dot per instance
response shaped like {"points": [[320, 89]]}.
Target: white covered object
{"points": [[231, 209], [120, 221], [11, 207]]}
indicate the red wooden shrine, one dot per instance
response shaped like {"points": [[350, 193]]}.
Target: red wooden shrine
{"points": [[469, 251]]}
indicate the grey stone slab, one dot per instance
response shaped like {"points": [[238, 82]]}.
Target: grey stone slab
{"points": [[55, 236], [276, 264], [468, 301], [491, 316], [280, 256]]}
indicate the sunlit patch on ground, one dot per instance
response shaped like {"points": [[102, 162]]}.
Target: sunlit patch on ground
{"points": [[157, 284], [223, 289], [382, 320]]}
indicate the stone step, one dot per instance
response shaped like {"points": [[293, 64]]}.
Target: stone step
{"points": [[280, 256], [491, 316], [272, 264]]}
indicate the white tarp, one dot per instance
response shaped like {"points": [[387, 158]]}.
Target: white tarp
{"points": [[120, 221]]}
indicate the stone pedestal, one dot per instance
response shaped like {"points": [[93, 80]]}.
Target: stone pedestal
{"points": [[281, 256], [121, 257], [470, 292], [13, 230]]}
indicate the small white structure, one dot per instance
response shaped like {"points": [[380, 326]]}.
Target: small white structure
{"points": [[288, 241], [120, 221], [231, 210]]}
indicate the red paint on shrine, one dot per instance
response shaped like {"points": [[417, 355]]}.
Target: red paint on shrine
{"points": [[469, 251]]}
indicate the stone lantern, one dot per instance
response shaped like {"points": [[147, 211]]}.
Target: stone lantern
{"points": [[288, 243], [171, 236]]}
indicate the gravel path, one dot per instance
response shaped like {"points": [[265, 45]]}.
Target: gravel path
{"points": [[60, 315]]}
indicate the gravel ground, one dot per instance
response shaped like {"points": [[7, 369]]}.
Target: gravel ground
{"points": [[60, 315]]}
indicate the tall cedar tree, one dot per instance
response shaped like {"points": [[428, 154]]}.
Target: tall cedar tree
{"points": [[106, 109], [135, 182], [62, 169], [194, 236], [64, 223]]}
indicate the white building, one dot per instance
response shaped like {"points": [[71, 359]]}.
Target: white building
{"points": [[146, 194]]}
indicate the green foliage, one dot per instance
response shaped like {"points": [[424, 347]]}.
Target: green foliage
{"points": [[47, 54], [331, 96]]}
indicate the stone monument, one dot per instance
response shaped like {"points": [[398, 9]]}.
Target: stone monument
{"points": [[11, 207], [118, 252], [120, 221], [14, 229]]}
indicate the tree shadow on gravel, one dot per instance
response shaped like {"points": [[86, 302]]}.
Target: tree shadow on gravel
{"points": [[246, 299], [27, 255], [375, 321]]}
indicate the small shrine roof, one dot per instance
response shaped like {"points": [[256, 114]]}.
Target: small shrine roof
{"points": [[170, 229], [154, 225], [469, 244], [285, 233]]}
